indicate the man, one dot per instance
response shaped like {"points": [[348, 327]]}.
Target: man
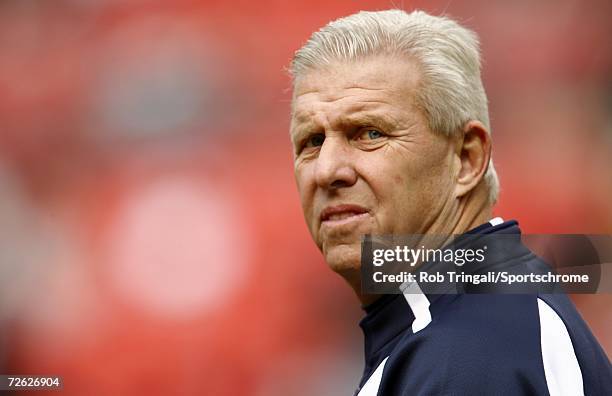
{"points": [[390, 132]]}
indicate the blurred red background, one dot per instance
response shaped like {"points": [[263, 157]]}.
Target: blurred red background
{"points": [[151, 238]]}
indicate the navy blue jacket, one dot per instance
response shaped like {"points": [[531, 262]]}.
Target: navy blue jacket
{"points": [[481, 344]]}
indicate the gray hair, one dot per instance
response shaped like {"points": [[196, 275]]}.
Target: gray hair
{"points": [[450, 91]]}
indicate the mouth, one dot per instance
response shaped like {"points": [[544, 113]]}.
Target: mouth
{"points": [[342, 213]]}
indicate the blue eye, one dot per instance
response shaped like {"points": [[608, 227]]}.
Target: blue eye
{"points": [[370, 134], [374, 134]]}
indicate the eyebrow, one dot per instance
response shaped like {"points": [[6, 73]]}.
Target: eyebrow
{"points": [[370, 119], [366, 118]]}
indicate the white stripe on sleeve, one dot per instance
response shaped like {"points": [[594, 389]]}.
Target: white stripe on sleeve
{"points": [[370, 388], [563, 375]]}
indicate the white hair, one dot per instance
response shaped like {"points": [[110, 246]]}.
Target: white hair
{"points": [[450, 90]]}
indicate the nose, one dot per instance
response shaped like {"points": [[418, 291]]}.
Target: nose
{"points": [[334, 166]]}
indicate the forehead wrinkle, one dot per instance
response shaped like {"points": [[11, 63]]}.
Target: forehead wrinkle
{"points": [[336, 105], [329, 102], [334, 94], [387, 97]]}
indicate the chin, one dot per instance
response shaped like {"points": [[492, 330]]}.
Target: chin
{"points": [[344, 258]]}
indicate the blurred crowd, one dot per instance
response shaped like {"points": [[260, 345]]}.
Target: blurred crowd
{"points": [[151, 238]]}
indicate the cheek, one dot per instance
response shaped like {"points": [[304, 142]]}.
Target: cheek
{"points": [[305, 186], [386, 178], [429, 173], [412, 189]]}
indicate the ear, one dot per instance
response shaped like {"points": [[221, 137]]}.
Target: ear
{"points": [[473, 152]]}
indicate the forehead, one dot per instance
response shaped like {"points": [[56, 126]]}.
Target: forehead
{"points": [[383, 79]]}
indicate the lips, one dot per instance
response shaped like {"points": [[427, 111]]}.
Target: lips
{"points": [[341, 212]]}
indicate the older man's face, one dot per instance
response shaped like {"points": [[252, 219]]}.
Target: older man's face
{"points": [[365, 160]]}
